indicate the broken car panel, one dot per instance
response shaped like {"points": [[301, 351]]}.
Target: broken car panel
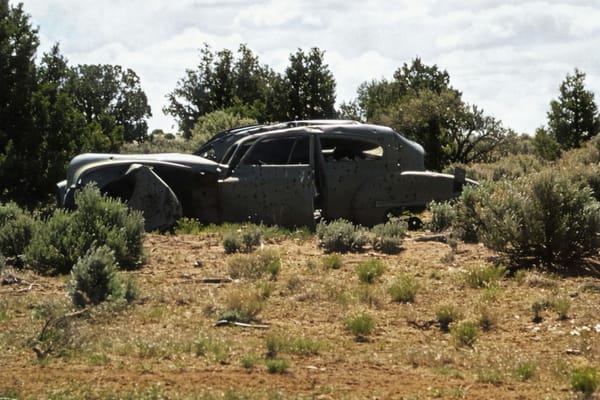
{"points": [[281, 174]]}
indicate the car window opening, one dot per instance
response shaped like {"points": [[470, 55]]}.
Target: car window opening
{"points": [[344, 149]]}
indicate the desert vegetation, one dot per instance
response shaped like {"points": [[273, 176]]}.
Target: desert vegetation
{"points": [[495, 297]]}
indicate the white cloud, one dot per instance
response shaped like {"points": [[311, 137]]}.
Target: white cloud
{"points": [[507, 56]]}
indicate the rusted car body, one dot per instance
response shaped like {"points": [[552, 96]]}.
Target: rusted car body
{"points": [[283, 174]]}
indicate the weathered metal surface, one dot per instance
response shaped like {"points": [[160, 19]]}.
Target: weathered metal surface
{"points": [[277, 174]]}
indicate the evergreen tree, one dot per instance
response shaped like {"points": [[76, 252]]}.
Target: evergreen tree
{"points": [[573, 117]]}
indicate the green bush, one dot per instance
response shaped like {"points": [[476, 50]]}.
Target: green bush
{"points": [[370, 270], [464, 333], [242, 305], [332, 261], [443, 216], [404, 289], [447, 314], [211, 123], [189, 226], [525, 370], [277, 365], [468, 222], [340, 236], [360, 325], [17, 227], [585, 380], [97, 220], [244, 239], [231, 243], [547, 218], [387, 237], [481, 276], [95, 278], [254, 266]]}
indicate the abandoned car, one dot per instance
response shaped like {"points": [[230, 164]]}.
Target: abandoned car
{"points": [[285, 174]]}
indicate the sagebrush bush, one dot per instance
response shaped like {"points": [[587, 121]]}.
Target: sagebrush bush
{"points": [[242, 305], [507, 168], [546, 218], [244, 239], [254, 266], [98, 220], [387, 237], [340, 236], [231, 243], [468, 221], [95, 278], [443, 215], [17, 227]]}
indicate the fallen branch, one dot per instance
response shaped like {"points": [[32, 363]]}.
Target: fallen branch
{"points": [[443, 238], [224, 322], [191, 279]]}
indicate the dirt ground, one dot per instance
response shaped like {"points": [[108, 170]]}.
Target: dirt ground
{"points": [[166, 344]]}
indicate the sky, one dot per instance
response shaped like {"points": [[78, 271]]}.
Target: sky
{"points": [[508, 57]]}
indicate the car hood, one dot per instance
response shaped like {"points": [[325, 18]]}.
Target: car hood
{"points": [[88, 160]]}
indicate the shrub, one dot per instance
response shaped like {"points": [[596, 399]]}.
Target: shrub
{"points": [[251, 236], [340, 236], [464, 333], [525, 370], [231, 243], [561, 305], [482, 276], [254, 266], [404, 289], [332, 261], [186, 225], [97, 221], [370, 270], [388, 237], [546, 217], [443, 215], [277, 365], [244, 239], [211, 123], [468, 222], [242, 306], [360, 325], [17, 227], [585, 380], [95, 279], [447, 314]]}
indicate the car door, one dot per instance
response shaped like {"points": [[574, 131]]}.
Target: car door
{"points": [[273, 183], [349, 164]]}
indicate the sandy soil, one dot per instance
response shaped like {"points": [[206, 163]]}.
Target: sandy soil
{"points": [[166, 344]]}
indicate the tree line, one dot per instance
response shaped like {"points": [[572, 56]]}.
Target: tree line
{"points": [[51, 111]]}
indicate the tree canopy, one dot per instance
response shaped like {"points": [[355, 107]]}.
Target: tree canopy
{"points": [[50, 112], [420, 104], [242, 86], [573, 117]]}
